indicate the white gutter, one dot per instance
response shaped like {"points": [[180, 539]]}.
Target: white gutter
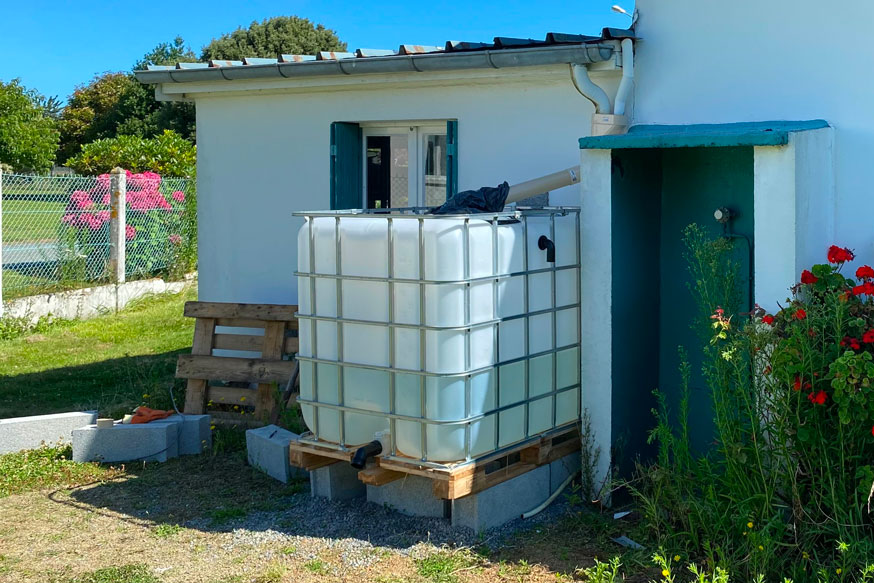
{"points": [[607, 120], [588, 89]]}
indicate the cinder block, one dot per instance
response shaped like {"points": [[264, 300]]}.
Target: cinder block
{"points": [[268, 451], [124, 443], [411, 495], [336, 482], [20, 433], [559, 470], [502, 503], [194, 433]]}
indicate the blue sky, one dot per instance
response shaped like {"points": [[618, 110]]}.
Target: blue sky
{"points": [[54, 46]]}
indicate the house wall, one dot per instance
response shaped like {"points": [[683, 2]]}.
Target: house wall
{"points": [[748, 60], [263, 155]]}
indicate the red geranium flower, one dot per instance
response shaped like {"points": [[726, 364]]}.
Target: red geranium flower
{"points": [[800, 314], [817, 398], [872, 431], [866, 288], [868, 337], [865, 272], [768, 319], [851, 342], [808, 278], [796, 386], [839, 254]]}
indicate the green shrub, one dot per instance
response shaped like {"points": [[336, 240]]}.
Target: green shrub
{"points": [[167, 154], [784, 491]]}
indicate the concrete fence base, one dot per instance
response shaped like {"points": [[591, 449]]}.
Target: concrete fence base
{"points": [[90, 301]]}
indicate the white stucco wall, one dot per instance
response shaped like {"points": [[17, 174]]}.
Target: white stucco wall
{"points": [[748, 60], [262, 155]]}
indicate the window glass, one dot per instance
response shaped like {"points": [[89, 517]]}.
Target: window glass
{"points": [[435, 169]]}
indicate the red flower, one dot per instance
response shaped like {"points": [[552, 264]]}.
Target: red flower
{"points": [[768, 319], [866, 288], [808, 278], [839, 254], [800, 314], [872, 431], [818, 398], [796, 386], [865, 272], [851, 342], [868, 337]]}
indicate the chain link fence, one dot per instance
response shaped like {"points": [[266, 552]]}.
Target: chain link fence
{"points": [[56, 230]]}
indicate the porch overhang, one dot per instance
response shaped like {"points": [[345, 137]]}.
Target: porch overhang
{"points": [[761, 133]]}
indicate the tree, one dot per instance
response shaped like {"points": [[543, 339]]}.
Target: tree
{"points": [[115, 104], [28, 137], [167, 154], [273, 37]]}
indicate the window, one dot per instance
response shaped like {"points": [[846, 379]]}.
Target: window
{"points": [[397, 165]]}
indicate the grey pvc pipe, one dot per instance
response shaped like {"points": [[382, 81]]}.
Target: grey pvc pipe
{"points": [[543, 184]]}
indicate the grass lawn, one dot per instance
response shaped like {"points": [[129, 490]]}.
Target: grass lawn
{"points": [[212, 518], [106, 363], [27, 220]]}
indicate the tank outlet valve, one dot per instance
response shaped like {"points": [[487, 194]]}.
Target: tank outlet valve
{"points": [[372, 449], [544, 243]]}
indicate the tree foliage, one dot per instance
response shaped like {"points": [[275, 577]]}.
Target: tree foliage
{"points": [[28, 137], [115, 104], [273, 37], [167, 154]]}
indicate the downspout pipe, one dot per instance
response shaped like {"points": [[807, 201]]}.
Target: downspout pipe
{"points": [[588, 89], [627, 82]]}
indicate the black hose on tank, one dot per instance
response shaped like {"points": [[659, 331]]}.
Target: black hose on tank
{"points": [[359, 460], [544, 243]]}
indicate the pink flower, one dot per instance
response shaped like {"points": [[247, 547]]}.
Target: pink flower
{"points": [[175, 239], [130, 232], [178, 196], [69, 219], [81, 199], [102, 216]]}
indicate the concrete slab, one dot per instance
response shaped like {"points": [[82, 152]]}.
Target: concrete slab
{"points": [[559, 470], [268, 451], [194, 434], [20, 433], [124, 443], [411, 495], [502, 503], [336, 482]]}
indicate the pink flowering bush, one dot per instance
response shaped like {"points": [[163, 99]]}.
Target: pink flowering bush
{"points": [[158, 226]]}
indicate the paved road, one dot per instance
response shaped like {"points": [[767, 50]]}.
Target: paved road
{"points": [[16, 253]]}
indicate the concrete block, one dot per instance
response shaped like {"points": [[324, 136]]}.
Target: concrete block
{"points": [[268, 451], [20, 433], [124, 443], [194, 433], [559, 470], [336, 482], [411, 495], [502, 503]]}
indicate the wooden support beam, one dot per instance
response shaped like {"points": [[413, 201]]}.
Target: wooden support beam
{"points": [[377, 476], [192, 366]]}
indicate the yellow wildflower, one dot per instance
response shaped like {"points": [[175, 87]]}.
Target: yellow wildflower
{"points": [[676, 558], [242, 399], [761, 548], [838, 570], [145, 395], [212, 427], [749, 524], [665, 573]]}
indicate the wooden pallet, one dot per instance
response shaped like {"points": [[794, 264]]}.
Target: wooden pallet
{"points": [[272, 366], [455, 480]]}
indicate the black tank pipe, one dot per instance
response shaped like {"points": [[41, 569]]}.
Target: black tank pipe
{"points": [[545, 243], [359, 460]]}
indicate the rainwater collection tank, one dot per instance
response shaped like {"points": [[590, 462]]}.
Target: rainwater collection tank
{"points": [[455, 335]]}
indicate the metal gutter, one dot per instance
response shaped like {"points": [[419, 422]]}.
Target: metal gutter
{"points": [[583, 53]]}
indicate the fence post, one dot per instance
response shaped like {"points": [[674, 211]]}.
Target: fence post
{"points": [[1, 241], [117, 224]]}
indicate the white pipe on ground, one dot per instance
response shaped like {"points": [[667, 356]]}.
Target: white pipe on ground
{"points": [[627, 77], [543, 184]]}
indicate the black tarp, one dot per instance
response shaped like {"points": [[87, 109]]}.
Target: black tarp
{"points": [[487, 199]]}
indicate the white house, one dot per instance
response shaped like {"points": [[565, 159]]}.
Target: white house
{"points": [[750, 106]]}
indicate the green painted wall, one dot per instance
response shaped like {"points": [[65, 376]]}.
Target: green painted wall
{"points": [[656, 193]]}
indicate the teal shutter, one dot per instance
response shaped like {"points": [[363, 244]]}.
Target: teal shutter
{"points": [[346, 168], [451, 158]]}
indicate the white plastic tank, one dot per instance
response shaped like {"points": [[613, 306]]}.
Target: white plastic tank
{"points": [[454, 335]]}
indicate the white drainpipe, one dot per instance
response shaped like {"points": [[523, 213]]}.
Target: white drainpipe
{"points": [[607, 120]]}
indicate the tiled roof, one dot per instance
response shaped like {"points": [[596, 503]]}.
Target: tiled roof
{"points": [[497, 44]]}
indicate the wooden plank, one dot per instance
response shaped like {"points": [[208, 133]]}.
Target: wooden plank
{"points": [[195, 392], [274, 341], [230, 395], [309, 461], [292, 345], [265, 312], [253, 370], [239, 323], [248, 342], [377, 476], [227, 419]]}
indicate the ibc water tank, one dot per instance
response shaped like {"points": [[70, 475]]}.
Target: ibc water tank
{"points": [[458, 336]]}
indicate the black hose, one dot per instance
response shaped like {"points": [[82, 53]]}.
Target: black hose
{"points": [[359, 460], [544, 243]]}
